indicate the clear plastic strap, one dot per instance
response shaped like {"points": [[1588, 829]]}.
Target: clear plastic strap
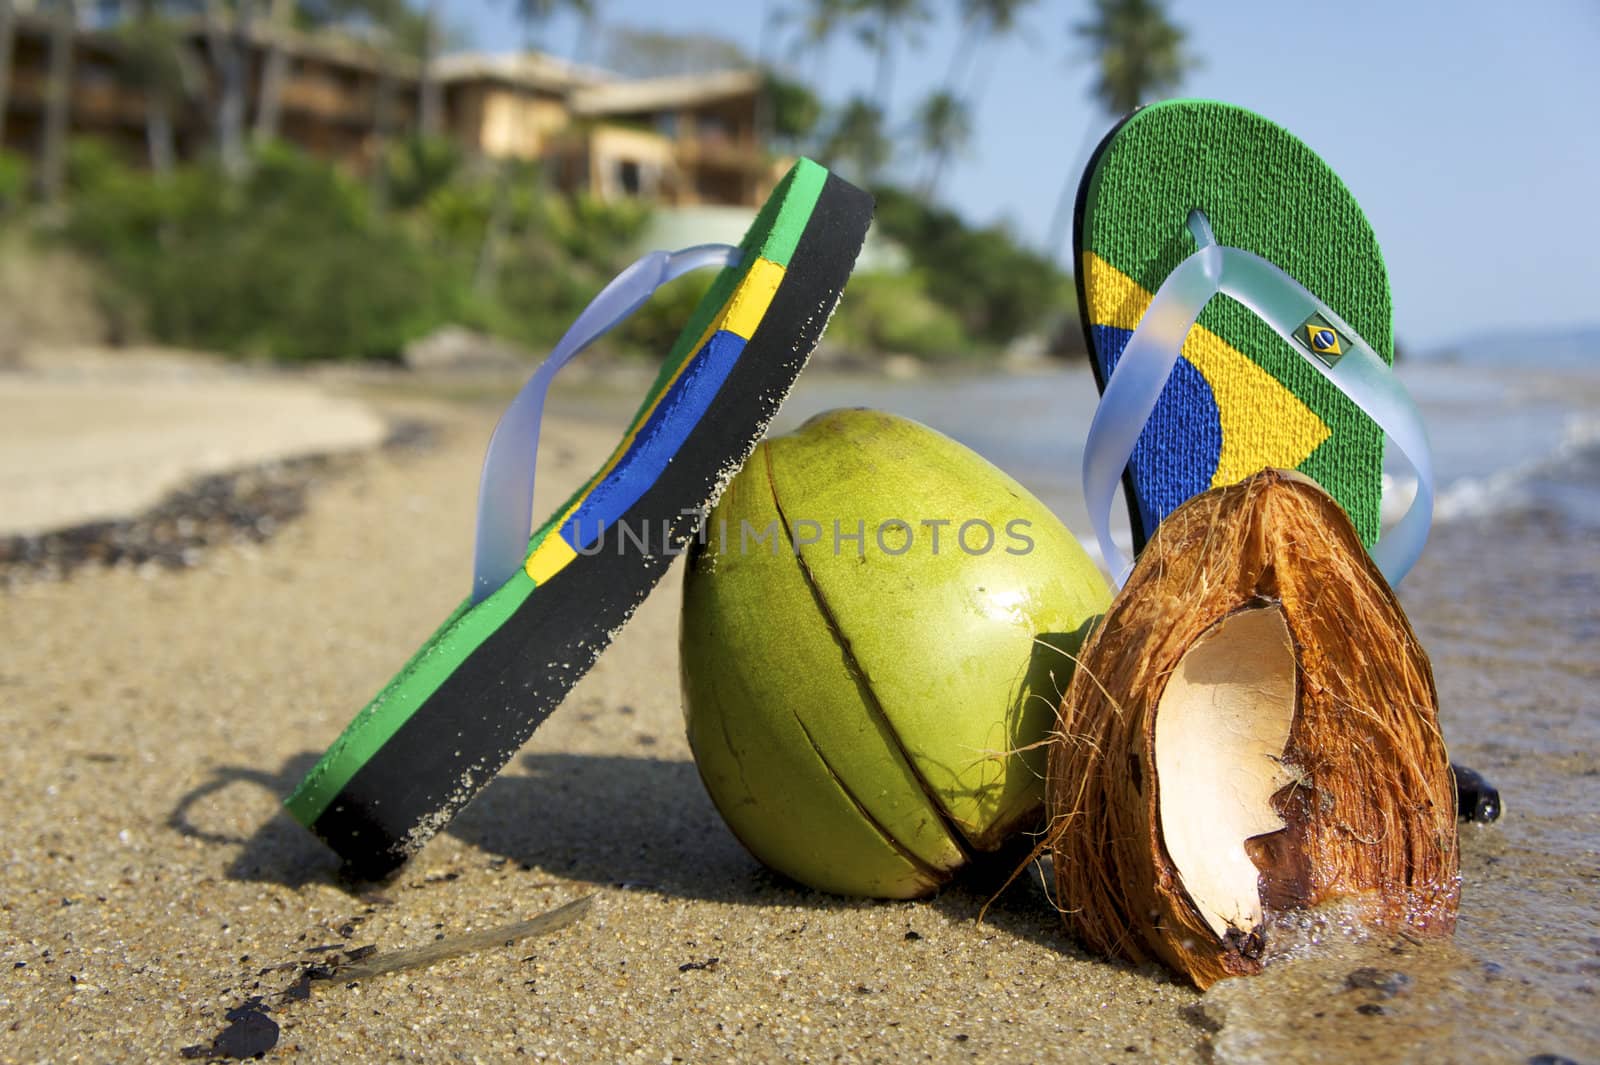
{"points": [[1286, 305], [505, 490]]}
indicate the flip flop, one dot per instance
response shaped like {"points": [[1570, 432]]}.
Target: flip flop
{"points": [[1189, 199], [542, 609]]}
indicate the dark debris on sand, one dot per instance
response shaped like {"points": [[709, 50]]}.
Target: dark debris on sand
{"points": [[251, 1032], [245, 506]]}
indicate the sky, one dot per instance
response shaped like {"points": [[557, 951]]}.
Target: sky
{"points": [[1469, 130]]}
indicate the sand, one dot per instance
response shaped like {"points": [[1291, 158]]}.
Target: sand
{"points": [[87, 438], [154, 719]]}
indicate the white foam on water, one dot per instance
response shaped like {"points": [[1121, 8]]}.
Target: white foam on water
{"points": [[1476, 496]]}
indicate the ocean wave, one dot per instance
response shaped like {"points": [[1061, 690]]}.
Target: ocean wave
{"points": [[1518, 485]]}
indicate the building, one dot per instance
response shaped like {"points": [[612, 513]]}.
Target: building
{"points": [[681, 141]]}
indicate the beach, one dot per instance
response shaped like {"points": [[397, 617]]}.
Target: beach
{"points": [[156, 715]]}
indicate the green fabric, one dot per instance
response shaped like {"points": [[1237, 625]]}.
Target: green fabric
{"points": [[1264, 191], [773, 235]]}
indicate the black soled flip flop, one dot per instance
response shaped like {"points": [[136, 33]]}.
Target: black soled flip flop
{"points": [[474, 693]]}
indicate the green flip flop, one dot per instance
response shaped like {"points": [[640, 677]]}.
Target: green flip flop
{"points": [[1190, 199], [1187, 200], [542, 608]]}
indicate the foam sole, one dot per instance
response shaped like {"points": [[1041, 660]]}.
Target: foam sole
{"points": [[1240, 399], [477, 690]]}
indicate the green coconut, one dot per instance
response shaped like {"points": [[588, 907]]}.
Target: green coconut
{"points": [[877, 627]]}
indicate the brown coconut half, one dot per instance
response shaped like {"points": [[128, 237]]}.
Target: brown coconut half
{"points": [[1253, 728]]}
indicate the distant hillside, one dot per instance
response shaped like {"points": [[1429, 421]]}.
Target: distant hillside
{"points": [[1566, 346]]}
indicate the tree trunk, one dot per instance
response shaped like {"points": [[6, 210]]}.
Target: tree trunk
{"points": [[587, 32], [930, 184], [8, 38], [58, 101], [158, 133], [159, 137], [885, 76], [1061, 218], [981, 76], [269, 107], [430, 104], [487, 271], [968, 44], [377, 174], [230, 52]]}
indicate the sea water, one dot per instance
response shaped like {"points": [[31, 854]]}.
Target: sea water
{"points": [[1502, 436]]}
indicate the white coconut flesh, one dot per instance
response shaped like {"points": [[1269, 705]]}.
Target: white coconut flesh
{"points": [[1221, 728]]}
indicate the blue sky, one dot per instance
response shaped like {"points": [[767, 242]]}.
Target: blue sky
{"points": [[1469, 130]]}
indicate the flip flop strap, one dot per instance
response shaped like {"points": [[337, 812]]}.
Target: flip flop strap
{"points": [[1288, 307], [505, 490]]}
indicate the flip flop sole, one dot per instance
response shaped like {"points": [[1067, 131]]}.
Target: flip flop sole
{"points": [[493, 672], [1240, 399]]}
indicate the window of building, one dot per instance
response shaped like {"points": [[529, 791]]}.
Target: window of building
{"points": [[628, 177]]}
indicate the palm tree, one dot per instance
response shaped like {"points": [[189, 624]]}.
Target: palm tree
{"points": [[589, 28], [229, 42], [858, 137], [430, 104], [1140, 54], [405, 35], [819, 22], [981, 21], [276, 71], [889, 22], [791, 111], [155, 58], [8, 40], [58, 100], [943, 127], [535, 14]]}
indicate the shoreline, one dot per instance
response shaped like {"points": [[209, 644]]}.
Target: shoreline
{"points": [[242, 505]]}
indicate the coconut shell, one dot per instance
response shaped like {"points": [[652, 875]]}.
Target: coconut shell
{"points": [[1258, 667]]}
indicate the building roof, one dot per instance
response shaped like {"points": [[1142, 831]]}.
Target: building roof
{"points": [[591, 90], [661, 94], [529, 69]]}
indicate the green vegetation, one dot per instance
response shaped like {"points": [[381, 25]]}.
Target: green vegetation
{"points": [[895, 313], [295, 261], [993, 287]]}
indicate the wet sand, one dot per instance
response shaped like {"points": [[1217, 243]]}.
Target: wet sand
{"points": [[154, 719]]}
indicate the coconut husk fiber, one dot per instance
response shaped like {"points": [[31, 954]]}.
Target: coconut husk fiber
{"points": [[1252, 729]]}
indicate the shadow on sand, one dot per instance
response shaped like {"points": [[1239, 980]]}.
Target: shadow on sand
{"points": [[638, 823]]}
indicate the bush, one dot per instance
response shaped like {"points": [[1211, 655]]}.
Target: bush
{"points": [[289, 263], [551, 254], [894, 313], [295, 262], [998, 289], [13, 181], [654, 328]]}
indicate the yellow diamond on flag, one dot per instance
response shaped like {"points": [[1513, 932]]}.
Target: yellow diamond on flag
{"points": [[1323, 339]]}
